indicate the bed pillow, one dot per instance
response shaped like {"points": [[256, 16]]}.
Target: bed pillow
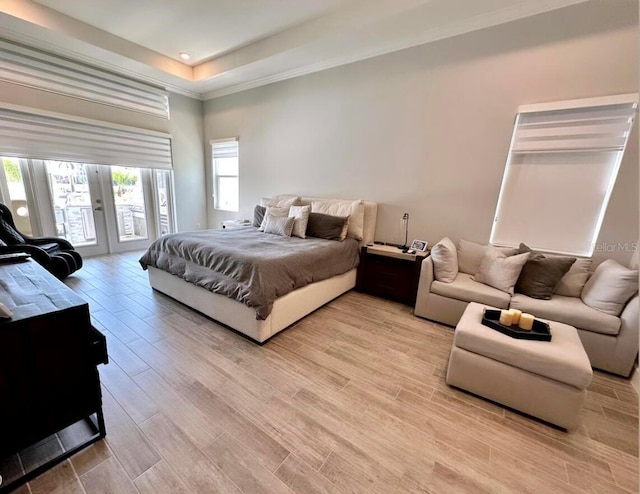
{"points": [[281, 201], [610, 287], [340, 207], [274, 211], [279, 225], [301, 219], [258, 215], [541, 274], [500, 271], [327, 226], [445, 260]]}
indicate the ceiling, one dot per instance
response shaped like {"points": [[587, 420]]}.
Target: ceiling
{"points": [[240, 44]]}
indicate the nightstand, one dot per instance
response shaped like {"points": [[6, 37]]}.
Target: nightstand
{"points": [[385, 271]]}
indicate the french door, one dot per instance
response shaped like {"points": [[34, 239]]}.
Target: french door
{"points": [[99, 209]]}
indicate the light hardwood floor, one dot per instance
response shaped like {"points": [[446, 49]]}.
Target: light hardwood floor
{"points": [[352, 399]]}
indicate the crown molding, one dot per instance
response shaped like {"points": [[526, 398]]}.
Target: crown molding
{"points": [[475, 23], [209, 88]]}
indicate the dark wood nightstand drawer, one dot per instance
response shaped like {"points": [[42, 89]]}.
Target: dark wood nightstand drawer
{"points": [[389, 274]]}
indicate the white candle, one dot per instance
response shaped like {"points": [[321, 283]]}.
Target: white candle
{"points": [[506, 317], [526, 322], [516, 316]]}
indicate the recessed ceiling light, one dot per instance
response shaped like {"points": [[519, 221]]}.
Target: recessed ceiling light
{"points": [[184, 56]]}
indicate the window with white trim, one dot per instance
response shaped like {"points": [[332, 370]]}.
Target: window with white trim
{"points": [[226, 185], [560, 173]]}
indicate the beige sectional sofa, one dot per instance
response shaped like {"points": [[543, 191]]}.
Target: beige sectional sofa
{"points": [[611, 341]]}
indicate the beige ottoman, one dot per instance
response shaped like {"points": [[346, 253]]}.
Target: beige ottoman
{"points": [[546, 379]]}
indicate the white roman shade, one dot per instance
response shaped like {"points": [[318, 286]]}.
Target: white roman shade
{"points": [[64, 138], [224, 148], [561, 169], [28, 66]]}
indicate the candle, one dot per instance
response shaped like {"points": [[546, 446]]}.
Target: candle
{"points": [[516, 315], [506, 317], [526, 322]]}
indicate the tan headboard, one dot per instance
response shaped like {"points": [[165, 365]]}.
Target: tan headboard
{"points": [[370, 218]]}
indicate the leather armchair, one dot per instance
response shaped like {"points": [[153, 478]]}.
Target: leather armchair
{"points": [[55, 254]]}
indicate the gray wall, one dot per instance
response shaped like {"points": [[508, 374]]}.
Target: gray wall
{"points": [[426, 130], [187, 144]]}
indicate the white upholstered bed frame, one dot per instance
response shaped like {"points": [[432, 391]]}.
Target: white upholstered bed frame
{"points": [[286, 309]]}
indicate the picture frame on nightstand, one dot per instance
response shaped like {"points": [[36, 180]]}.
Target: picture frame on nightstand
{"points": [[419, 245]]}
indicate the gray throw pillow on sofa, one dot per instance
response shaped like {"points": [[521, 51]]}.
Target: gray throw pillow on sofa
{"points": [[540, 275]]}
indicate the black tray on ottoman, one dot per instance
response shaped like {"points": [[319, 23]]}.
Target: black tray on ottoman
{"points": [[539, 332]]}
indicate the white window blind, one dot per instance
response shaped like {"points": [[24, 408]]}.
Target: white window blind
{"points": [[561, 169], [225, 174], [58, 137], [28, 66]]}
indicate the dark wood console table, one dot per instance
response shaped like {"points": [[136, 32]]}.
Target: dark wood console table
{"points": [[49, 353]]}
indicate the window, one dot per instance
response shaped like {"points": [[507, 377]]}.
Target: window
{"points": [[225, 174], [561, 169]]}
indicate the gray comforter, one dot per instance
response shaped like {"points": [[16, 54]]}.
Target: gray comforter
{"points": [[248, 265]]}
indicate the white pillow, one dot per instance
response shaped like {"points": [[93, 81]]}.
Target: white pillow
{"points": [[340, 207], [281, 201], [471, 254], [279, 225], [610, 287], [572, 283], [301, 215], [500, 271], [273, 211], [445, 260]]}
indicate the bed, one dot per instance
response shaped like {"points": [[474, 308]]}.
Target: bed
{"points": [[234, 307]]}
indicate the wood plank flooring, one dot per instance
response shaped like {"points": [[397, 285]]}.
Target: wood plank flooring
{"points": [[352, 399]]}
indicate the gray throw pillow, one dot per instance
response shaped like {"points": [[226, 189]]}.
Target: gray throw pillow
{"points": [[540, 275], [258, 215], [278, 225], [326, 226]]}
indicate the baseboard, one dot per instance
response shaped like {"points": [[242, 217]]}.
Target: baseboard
{"points": [[635, 378]]}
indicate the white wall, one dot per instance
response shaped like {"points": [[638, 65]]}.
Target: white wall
{"points": [[187, 143], [426, 130]]}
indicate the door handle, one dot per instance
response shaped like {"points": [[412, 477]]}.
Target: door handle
{"points": [[99, 208]]}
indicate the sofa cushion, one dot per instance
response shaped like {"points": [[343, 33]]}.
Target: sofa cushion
{"points": [[445, 260], [569, 310], [541, 274], [499, 271], [465, 289], [470, 255], [571, 284], [562, 359], [610, 287]]}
